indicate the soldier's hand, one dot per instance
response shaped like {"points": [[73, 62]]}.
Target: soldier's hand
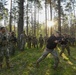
{"points": [[56, 41]]}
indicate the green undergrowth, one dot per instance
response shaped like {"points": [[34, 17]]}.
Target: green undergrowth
{"points": [[24, 63]]}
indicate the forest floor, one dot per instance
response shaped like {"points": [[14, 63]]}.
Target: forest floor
{"points": [[23, 64]]}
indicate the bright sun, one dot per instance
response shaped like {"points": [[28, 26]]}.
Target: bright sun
{"points": [[50, 23]]}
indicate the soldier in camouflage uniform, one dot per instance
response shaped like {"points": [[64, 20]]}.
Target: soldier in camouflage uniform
{"points": [[12, 43], [41, 41], [23, 40], [64, 44], [34, 42], [45, 39], [0, 47], [29, 41], [4, 52]]}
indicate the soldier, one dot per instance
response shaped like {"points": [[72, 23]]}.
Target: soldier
{"points": [[45, 39], [0, 48], [64, 45], [12, 42], [23, 40], [4, 52], [41, 41], [51, 45], [35, 42], [73, 41], [29, 41]]}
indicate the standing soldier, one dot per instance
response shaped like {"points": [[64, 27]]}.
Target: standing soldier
{"points": [[23, 40], [41, 41], [29, 41], [0, 48], [64, 45], [35, 42], [45, 39], [4, 52], [12, 42]]}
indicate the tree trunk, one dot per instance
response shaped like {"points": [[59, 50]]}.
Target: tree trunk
{"points": [[27, 17], [50, 10], [51, 15], [46, 17], [20, 20], [32, 22], [35, 18], [32, 19], [10, 19], [59, 16], [38, 21]]}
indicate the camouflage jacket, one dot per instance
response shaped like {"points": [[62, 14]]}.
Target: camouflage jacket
{"points": [[4, 40], [0, 39]]}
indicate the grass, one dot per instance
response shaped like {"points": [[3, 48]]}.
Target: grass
{"points": [[23, 64]]}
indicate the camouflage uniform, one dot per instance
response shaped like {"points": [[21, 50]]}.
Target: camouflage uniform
{"points": [[64, 45], [23, 40], [4, 52], [0, 49], [41, 41], [45, 39], [12, 43], [35, 42], [29, 41]]}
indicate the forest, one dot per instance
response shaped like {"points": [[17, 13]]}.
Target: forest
{"points": [[28, 28]]}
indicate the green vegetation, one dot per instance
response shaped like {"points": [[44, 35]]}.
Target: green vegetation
{"points": [[24, 64]]}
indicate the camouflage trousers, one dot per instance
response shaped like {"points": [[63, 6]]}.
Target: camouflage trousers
{"points": [[12, 49], [4, 52], [53, 53], [41, 45], [63, 49], [29, 44]]}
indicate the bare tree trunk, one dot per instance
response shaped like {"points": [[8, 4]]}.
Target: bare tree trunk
{"points": [[46, 17], [35, 18], [38, 16], [51, 15], [50, 10], [38, 22], [27, 17], [21, 20], [59, 15], [32, 23], [32, 19], [10, 19]]}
